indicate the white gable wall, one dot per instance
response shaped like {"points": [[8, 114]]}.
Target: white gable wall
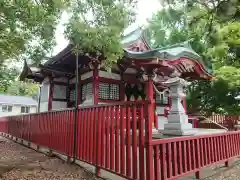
{"points": [[44, 95]]}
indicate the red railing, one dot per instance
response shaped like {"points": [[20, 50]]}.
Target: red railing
{"points": [[175, 157], [3, 125], [118, 138], [111, 137], [227, 121], [52, 129]]}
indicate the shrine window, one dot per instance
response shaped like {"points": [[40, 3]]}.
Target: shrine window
{"points": [[162, 98], [109, 91], [87, 89], [72, 95]]}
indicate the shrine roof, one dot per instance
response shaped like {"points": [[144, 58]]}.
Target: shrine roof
{"points": [[136, 47], [169, 53], [134, 36]]}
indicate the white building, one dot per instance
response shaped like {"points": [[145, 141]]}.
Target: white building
{"points": [[14, 105]]}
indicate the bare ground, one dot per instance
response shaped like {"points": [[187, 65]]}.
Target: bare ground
{"points": [[20, 163]]}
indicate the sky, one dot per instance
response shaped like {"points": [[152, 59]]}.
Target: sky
{"points": [[145, 9]]}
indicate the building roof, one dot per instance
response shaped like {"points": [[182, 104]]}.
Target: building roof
{"points": [[171, 53], [137, 50], [20, 100]]}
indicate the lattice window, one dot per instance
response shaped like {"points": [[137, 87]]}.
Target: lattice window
{"points": [[86, 89], [114, 91], [72, 95], [103, 91], [162, 97], [109, 91]]}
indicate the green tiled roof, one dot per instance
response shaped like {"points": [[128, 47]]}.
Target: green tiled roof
{"points": [[169, 53], [133, 36]]}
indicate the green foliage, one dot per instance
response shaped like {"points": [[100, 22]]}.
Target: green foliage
{"points": [[97, 26], [9, 85], [215, 38], [20, 88], [212, 96], [6, 78], [27, 28], [27, 32]]}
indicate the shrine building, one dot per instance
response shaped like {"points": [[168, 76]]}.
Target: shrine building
{"points": [[139, 75]]}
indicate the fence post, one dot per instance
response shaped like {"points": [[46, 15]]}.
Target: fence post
{"points": [[227, 151], [148, 139], [198, 157], [149, 118], [98, 143]]}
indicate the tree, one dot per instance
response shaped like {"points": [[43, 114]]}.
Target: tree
{"points": [[27, 31], [27, 28], [216, 96], [96, 26], [216, 41], [20, 88], [10, 85], [7, 76]]}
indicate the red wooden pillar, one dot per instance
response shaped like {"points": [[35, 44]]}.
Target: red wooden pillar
{"points": [[122, 89], [50, 93], [95, 85], [148, 128], [150, 96], [79, 90], [68, 93], [95, 67]]}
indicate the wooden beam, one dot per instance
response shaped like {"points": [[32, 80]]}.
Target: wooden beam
{"points": [[50, 95], [39, 98], [95, 85], [58, 99]]}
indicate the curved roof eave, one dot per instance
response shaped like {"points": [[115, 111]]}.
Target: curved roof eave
{"points": [[134, 36], [170, 53], [60, 55]]}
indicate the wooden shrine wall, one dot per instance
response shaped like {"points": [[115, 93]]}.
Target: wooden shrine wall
{"points": [[60, 86], [44, 95]]}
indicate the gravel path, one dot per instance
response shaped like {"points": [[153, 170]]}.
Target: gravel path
{"points": [[20, 163]]}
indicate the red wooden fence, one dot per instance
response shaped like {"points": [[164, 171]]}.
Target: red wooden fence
{"points": [[118, 138], [4, 124], [175, 157], [227, 121], [111, 137]]}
